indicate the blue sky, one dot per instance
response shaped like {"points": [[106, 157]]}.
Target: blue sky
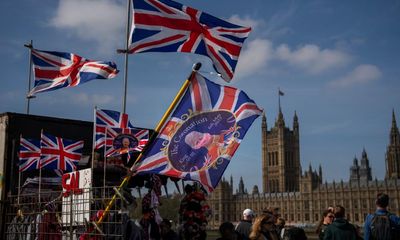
{"points": [[336, 61]]}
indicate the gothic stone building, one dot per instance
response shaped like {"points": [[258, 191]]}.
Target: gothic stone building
{"points": [[302, 196]]}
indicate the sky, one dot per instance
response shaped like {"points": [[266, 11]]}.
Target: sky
{"points": [[336, 61]]}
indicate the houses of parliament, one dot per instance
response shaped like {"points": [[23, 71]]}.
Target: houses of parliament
{"points": [[302, 196]]}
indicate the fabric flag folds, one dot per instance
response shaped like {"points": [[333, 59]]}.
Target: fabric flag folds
{"points": [[108, 118], [55, 70], [168, 26], [29, 154], [125, 140], [59, 153], [203, 133]]}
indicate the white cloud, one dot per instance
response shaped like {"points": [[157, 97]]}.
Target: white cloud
{"points": [[245, 22], [364, 73], [311, 58], [254, 57], [101, 21]]}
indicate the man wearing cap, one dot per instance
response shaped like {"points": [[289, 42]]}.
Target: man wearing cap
{"points": [[244, 226]]}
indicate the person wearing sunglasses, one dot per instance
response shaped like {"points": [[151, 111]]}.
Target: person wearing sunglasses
{"points": [[327, 218]]}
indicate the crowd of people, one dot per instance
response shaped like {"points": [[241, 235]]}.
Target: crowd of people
{"points": [[380, 225]]}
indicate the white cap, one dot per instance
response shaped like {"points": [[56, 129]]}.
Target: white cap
{"points": [[248, 212]]}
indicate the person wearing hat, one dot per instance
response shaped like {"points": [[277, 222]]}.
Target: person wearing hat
{"points": [[244, 226]]}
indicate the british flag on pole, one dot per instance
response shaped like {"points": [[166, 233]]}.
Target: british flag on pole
{"points": [[29, 154], [108, 118], [55, 70], [202, 134], [59, 153], [168, 26], [125, 140]]}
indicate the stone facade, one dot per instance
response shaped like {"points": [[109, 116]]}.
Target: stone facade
{"points": [[302, 196]]}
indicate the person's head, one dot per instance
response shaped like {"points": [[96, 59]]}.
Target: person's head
{"points": [[382, 200], [264, 223], [328, 216], [126, 142], [197, 140], [280, 223], [227, 230], [248, 214], [339, 211]]}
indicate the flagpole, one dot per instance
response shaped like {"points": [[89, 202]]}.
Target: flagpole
{"points": [[104, 167], [40, 169], [28, 98], [19, 172], [93, 146], [126, 55], [279, 99], [171, 107]]}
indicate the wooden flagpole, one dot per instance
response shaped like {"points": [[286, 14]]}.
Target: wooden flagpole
{"points": [[28, 98], [160, 124]]}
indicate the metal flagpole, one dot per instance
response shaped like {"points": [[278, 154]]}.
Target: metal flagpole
{"points": [[19, 172], [40, 170], [126, 55], [91, 197], [28, 98], [279, 98], [171, 107], [104, 166]]}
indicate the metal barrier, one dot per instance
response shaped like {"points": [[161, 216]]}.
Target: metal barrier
{"points": [[55, 216]]}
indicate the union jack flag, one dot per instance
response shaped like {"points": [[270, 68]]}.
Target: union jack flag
{"points": [[168, 26], [55, 70], [108, 118], [29, 154], [140, 138], [202, 134], [59, 153]]}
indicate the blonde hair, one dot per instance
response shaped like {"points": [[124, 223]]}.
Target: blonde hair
{"points": [[256, 229]]}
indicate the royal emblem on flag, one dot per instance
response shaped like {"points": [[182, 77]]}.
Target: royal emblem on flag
{"points": [[125, 140], [108, 118], [202, 134]]}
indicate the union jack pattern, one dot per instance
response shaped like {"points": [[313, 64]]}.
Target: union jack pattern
{"points": [[108, 118], [59, 153], [201, 110], [55, 70], [168, 26], [29, 154], [141, 135]]}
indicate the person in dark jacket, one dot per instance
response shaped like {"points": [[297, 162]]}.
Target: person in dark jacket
{"points": [[340, 229], [244, 226]]}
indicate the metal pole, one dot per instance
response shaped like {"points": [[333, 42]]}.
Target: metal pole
{"points": [[28, 98], [126, 56], [40, 174], [104, 167]]}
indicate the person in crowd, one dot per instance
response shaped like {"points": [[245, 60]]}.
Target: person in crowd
{"points": [[327, 218], [340, 229], [227, 231], [244, 226], [280, 227], [166, 231], [264, 228], [382, 224]]}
